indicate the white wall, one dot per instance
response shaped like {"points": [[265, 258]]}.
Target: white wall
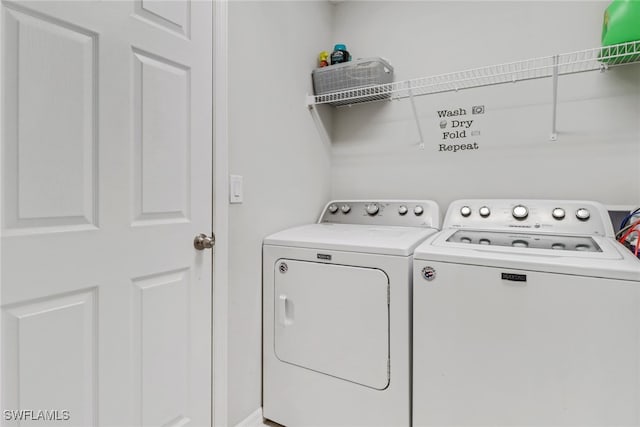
{"points": [[374, 153], [274, 144]]}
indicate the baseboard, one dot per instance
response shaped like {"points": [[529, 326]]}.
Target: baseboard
{"points": [[253, 420]]}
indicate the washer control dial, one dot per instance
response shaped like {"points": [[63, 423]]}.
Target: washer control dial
{"points": [[418, 210], [402, 210], [583, 214], [465, 211], [558, 213], [333, 208], [484, 211], [345, 209], [372, 209], [520, 212]]}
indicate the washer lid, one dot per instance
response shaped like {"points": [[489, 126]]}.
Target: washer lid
{"points": [[385, 240]]}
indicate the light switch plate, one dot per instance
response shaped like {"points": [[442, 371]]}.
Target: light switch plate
{"points": [[235, 189]]}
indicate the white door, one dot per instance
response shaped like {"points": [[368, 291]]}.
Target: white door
{"points": [[106, 180]]}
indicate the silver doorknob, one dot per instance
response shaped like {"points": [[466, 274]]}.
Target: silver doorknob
{"points": [[202, 242]]}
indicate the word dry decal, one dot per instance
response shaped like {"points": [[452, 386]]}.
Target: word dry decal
{"points": [[459, 131]]}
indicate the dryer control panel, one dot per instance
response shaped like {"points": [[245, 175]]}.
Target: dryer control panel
{"points": [[407, 213], [585, 218]]}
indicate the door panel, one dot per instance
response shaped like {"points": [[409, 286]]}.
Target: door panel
{"points": [[62, 327], [162, 142], [106, 179], [172, 15], [333, 319], [161, 304], [50, 114]]}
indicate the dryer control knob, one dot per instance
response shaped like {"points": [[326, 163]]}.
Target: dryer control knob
{"points": [[402, 210], [372, 208], [333, 208], [583, 214], [345, 209], [418, 210], [465, 211], [484, 211], [520, 212], [558, 213]]}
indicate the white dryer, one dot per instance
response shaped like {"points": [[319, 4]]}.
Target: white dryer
{"points": [[337, 315], [526, 312]]}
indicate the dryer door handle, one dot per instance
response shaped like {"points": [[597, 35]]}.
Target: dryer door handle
{"points": [[283, 317]]}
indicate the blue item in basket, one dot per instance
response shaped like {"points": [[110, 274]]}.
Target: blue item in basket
{"points": [[340, 54]]}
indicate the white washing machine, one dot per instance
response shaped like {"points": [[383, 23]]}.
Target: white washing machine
{"points": [[526, 312], [337, 315]]}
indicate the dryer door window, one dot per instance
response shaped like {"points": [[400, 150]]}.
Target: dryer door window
{"points": [[333, 319]]}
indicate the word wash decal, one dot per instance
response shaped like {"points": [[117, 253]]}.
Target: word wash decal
{"points": [[459, 128]]}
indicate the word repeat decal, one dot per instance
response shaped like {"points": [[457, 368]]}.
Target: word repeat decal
{"points": [[459, 128]]}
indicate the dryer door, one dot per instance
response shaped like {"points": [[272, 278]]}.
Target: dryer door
{"points": [[333, 319]]}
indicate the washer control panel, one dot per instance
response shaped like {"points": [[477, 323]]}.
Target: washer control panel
{"points": [[558, 216], [409, 213]]}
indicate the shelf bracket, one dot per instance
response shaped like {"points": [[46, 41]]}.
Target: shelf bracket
{"points": [[415, 116], [320, 126], [310, 101], [554, 131]]}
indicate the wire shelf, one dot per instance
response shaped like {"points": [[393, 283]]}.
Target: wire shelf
{"points": [[600, 58]]}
